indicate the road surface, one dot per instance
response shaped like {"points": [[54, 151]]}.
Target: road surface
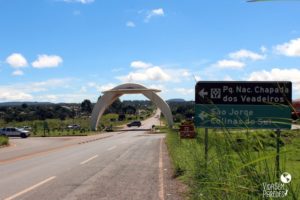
{"points": [[112, 166]]}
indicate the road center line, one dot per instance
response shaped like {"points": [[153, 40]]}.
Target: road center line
{"points": [[161, 173], [88, 160], [111, 148], [30, 188]]}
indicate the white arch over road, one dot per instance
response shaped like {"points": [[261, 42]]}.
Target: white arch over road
{"points": [[128, 88]]}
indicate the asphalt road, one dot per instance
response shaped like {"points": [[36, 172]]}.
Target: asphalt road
{"points": [[114, 166]]}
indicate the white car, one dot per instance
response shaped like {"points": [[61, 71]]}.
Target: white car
{"points": [[14, 132]]}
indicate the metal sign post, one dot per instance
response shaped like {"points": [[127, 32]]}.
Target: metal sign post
{"points": [[277, 162]]}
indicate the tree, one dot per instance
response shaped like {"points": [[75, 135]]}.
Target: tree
{"points": [[86, 106]]}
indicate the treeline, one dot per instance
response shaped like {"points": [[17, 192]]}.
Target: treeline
{"points": [[182, 110], [63, 111]]}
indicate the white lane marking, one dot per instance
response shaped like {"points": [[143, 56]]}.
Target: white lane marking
{"points": [[161, 173], [30, 188], [88, 160], [111, 148]]}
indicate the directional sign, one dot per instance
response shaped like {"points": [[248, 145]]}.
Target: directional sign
{"points": [[243, 104]]}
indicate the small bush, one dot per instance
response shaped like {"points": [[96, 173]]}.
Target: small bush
{"points": [[3, 140]]}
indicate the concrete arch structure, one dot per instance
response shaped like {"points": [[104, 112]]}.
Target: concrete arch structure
{"points": [[129, 88]]}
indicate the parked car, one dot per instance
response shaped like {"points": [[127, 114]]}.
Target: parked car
{"points": [[109, 129], [74, 126], [10, 131], [134, 123]]}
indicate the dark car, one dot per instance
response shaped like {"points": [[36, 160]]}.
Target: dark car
{"points": [[134, 123]]}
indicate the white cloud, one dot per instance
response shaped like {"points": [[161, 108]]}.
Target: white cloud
{"points": [[197, 78], [79, 1], [159, 12], [29, 91], [230, 64], [47, 61], [291, 48], [130, 24], [11, 94], [277, 74], [155, 73], [263, 49], [18, 73], [186, 73], [16, 60], [246, 54], [184, 91], [140, 64], [101, 87], [48, 84], [105, 87]]}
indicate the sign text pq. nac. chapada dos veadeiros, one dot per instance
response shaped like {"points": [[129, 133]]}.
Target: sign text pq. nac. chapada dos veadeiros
{"points": [[242, 104]]}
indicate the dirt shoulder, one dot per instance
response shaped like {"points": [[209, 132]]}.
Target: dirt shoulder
{"points": [[174, 188]]}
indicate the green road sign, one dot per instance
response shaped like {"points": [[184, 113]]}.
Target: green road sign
{"points": [[243, 104], [243, 116]]}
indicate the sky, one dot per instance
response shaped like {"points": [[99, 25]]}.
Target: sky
{"points": [[71, 50]]}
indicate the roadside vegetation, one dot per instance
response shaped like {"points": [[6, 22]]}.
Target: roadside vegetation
{"points": [[56, 119], [3, 141], [239, 161]]}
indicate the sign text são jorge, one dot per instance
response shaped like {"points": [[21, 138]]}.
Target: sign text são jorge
{"points": [[232, 104]]}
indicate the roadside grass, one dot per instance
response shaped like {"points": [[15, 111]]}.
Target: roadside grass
{"points": [[56, 127], [4, 141], [239, 162]]}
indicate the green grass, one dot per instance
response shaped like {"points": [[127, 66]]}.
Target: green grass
{"points": [[238, 163], [3, 141]]}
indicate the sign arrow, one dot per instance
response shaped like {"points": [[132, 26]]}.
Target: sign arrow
{"points": [[203, 115], [202, 93]]}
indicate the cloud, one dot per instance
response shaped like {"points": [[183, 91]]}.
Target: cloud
{"points": [[130, 24], [80, 1], [291, 48], [155, 73], [18, 73], [16, 60], [10, 94], [47, 61], [105, 87], [230, 64], [197, 78], [246, 54], [263, 49], [140, 64], [277, 74], [184, 91], [101, 87], [159, 12], [29, 91]]}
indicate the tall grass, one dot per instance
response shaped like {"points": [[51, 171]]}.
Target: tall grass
{"points": [[239, 162], [3, 141]]}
